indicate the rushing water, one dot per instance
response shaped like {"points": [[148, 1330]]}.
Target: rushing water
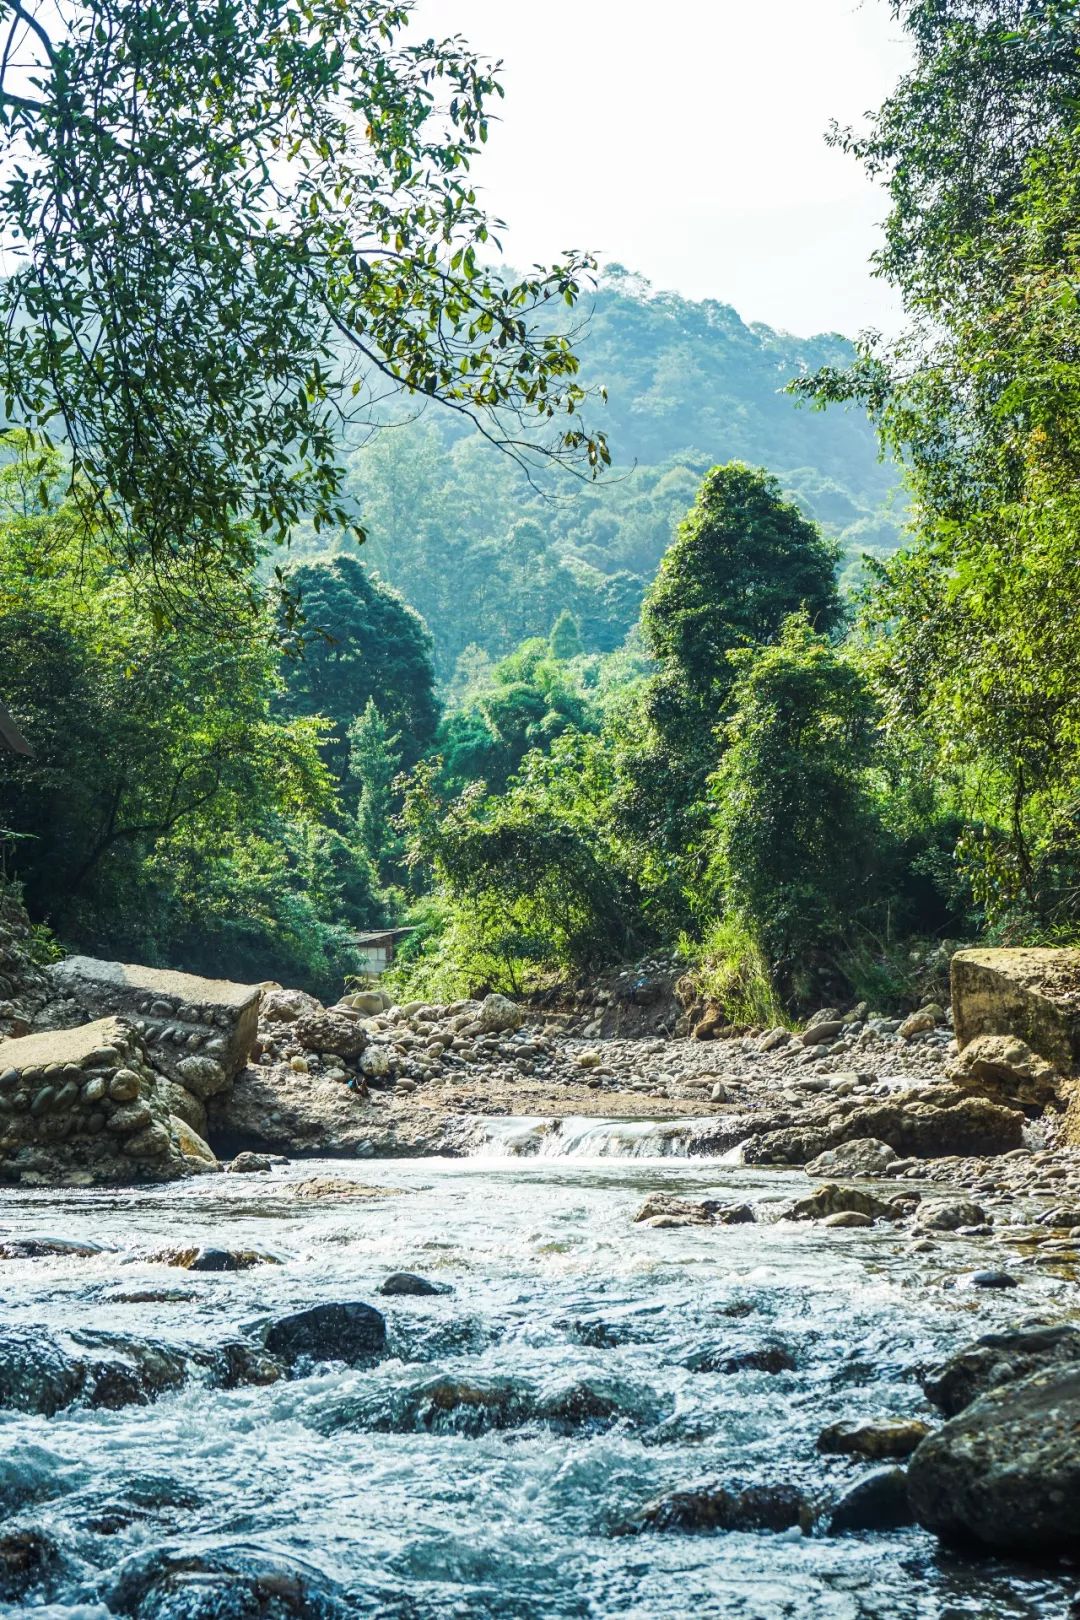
{"points": [[423, 1511]]}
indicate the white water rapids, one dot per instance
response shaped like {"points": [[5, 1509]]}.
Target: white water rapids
{"points": [[415, 1509]]}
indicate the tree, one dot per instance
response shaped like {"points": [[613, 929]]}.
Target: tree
{"points": [[795, 838], [743, 560], [374, 763], [299, 241], [974, 641], [143, 738], [565, 638], [361, 643]]}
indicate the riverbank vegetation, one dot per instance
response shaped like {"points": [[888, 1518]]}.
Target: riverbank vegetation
{"points": [[709, 701]]}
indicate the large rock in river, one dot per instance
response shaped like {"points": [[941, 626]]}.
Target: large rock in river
{"points": [[933, 1124], [1033, 994], [1003, 1358], [1005, 1473]]}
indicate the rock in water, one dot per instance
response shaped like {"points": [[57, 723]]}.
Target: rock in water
{"points": [[1001, 1358], [714, 1506], [1005, 1473], [407, 1282], [885, 1437], [221, 1583], [864, 1157], [948, 1215], [952, 1124], [353, 1333], [878, 1501]]}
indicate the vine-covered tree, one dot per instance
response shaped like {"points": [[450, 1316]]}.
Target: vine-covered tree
{"points": [[235, 229]]}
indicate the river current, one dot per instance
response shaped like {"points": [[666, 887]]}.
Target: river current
{"points": [[423, 1510]]}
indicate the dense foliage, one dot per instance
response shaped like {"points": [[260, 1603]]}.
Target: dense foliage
{"points": [[299, 236], [671, 711], [489, 557]]}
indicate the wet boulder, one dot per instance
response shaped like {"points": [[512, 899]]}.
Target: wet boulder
{"points": [[920, 1128], [665, 1209], [407, 1283], [713, 1505], [1005, 1472], [226, 1583], [948, 1215], [996, 1359], [771, 1357], [873, 1438], [831, 1200], [43, 1372], [876, 1502], [352, 1332], [32, 1564]]}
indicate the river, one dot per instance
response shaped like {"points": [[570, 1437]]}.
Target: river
{"points": [[421, 1510]]}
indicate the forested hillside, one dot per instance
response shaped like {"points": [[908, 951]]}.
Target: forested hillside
{"points": [[489, 555]]}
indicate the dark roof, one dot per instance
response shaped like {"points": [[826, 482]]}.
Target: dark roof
{"points": [[10, 735], [382, 936]]}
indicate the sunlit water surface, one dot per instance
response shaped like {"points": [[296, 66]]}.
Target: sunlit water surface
{"points": [[418, 1517]]}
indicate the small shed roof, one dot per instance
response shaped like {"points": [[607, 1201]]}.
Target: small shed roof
{"points": [[382, 936], [11, 737]]}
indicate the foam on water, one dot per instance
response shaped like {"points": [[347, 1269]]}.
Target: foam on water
{"points": [[483, 1469]]}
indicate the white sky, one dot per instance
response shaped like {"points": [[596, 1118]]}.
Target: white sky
{"points": [[685, 139]]}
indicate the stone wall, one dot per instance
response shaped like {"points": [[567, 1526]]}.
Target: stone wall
{"points": [[199, 1032], [84, 1106]]}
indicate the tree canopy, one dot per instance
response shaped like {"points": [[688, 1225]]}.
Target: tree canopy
{"points": [[299, 240]]}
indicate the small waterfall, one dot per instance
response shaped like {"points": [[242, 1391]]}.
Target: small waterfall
{"points": [[579, 1137]]}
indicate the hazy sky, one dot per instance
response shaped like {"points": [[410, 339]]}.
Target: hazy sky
{"points": [[685, 139]]}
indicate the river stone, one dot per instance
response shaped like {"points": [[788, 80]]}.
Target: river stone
{"points": [[221, 1583], [499, 1013], [353, 1333], [203, 1076], [831, 1200], [947, 1215], [878, 1501], [969, 1127], [875, 1438], [716, 1506], [668, 1210], [1001, 1358], [771, 1358], [918, 1023], [1004, 1068], [408, 1283], [1005, 1473], [1030, 993], [223, 1014], [818, 1034], [324, 1031], [866, 1156], [42, 1371]]}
